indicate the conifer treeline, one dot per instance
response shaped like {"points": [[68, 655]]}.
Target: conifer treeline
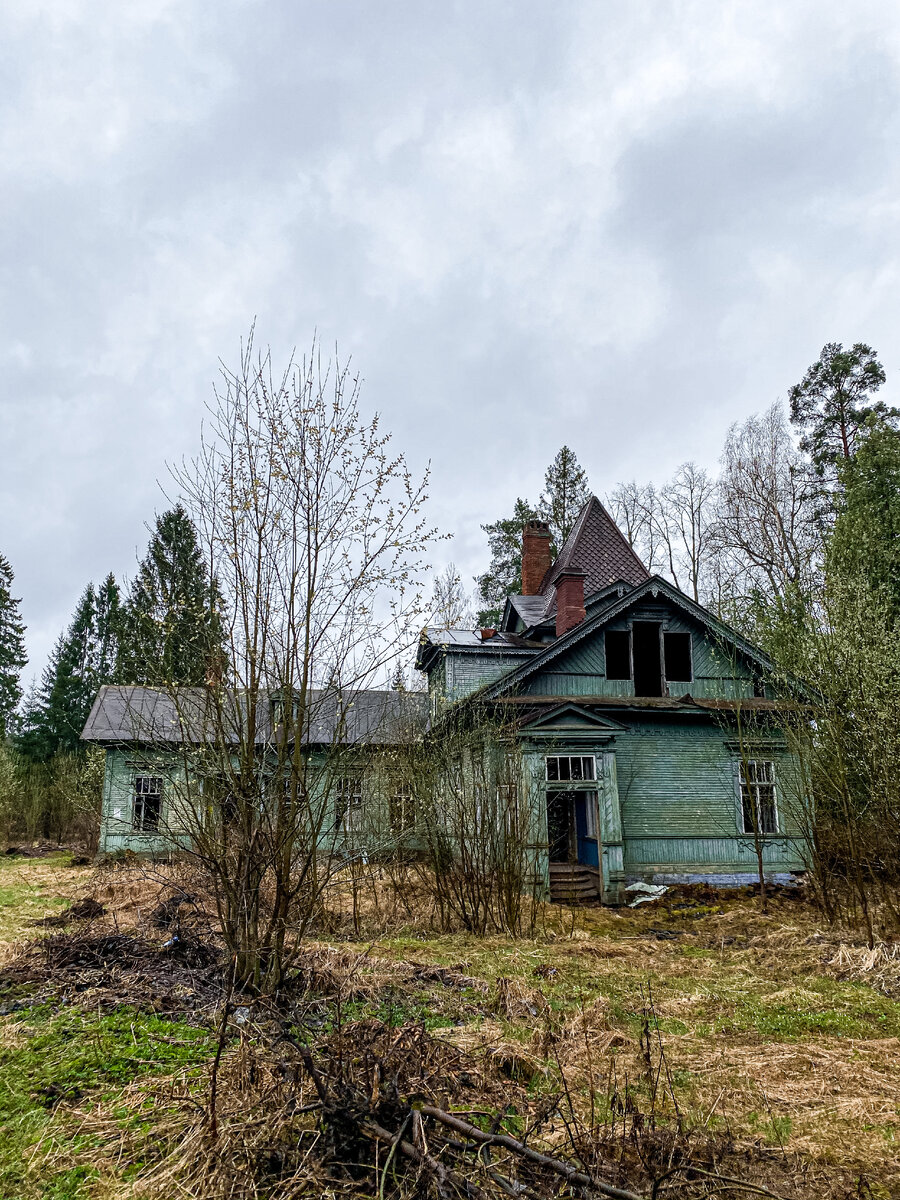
{"points": [[162, 632]]}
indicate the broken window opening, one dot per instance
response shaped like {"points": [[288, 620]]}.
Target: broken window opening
{"points": [[646, 652], [147, 803], [618, 654], [561, 768], [677, 656], [348, 802]]}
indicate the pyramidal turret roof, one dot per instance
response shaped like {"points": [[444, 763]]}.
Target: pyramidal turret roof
{"points": [[598, 547]]}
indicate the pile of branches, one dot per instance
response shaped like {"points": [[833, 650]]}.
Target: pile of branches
{"points": [[410, 1143], [370, 1110]]}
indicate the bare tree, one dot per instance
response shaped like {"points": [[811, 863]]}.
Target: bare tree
{"points": [[451, 607], [315, 536], [686, 512], [767, 521]]}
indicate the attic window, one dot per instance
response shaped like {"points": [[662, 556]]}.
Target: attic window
{"points": [[618, 654], [677, 652]]}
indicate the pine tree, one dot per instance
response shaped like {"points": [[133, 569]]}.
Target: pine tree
{"points": [[832, 404], [565, 493], [170, 625], [504, 576], [12, 649]]}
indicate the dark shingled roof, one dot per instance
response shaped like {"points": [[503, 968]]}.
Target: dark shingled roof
{"points": [[141, 714], [598, 547]]}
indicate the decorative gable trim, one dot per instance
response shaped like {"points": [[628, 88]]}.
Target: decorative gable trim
{"points": [[584, 717], [654, 587]]}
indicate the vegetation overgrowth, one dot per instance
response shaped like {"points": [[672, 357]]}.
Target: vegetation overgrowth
{"points": [[695, 1027]]}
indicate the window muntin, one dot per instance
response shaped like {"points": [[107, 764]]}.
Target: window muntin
{"points": [[565, 768], [759, 811], [147, 806], [348, 801]]}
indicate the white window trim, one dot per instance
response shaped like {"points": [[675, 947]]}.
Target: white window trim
{"points": [[739, 781], [569, 757]]}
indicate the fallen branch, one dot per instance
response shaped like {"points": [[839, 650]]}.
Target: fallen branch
{"points": [[569, 1173]]}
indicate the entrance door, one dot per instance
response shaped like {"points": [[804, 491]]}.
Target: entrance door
{"points": [[586, 828], [559, 822], [572, 828]]}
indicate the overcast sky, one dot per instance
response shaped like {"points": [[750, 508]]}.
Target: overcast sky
{"points": [[616, 225]]}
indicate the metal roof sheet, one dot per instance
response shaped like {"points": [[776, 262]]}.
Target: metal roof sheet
{"points": [[142, 714]]}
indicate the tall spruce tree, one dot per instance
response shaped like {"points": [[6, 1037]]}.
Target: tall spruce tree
{"points": [[56, 713], [504, 576], [12, 649], [170, 627], [83, 659], [565, 491]]}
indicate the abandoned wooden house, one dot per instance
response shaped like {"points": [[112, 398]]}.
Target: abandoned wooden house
{"points": [[650, 744], [652, 727]]}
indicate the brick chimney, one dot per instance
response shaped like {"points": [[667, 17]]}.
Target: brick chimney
{"points": [[569, 601], [536, 558]]}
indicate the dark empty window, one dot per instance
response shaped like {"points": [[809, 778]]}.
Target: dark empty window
{"points": [[147, 803], [677, 651], [618, 654], [647, 658]]}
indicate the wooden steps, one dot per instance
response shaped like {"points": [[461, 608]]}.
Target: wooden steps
{"points": [[573, 883]]}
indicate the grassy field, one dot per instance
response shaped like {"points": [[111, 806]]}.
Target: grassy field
{"points": [[771, 1028]]}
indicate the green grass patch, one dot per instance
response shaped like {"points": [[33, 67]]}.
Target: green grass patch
{"points": [[49, 1057]]}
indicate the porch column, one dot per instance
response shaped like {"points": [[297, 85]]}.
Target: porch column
{"points": [[611, 832]]}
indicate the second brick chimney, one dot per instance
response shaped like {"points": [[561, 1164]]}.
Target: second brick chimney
{"points": [[536, 558], [569, 600]]}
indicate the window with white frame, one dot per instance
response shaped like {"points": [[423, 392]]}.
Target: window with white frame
{"points": [[759, 812], [348, 802], [565, 768], [147, 807]]}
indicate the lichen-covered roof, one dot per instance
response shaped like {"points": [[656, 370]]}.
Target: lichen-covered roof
{"points": [[141, 714]]}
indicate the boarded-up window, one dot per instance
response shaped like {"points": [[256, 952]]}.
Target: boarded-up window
{"points": [[677, 651], [147, 803], [758, 810], [563, 768], [618, 654]]}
